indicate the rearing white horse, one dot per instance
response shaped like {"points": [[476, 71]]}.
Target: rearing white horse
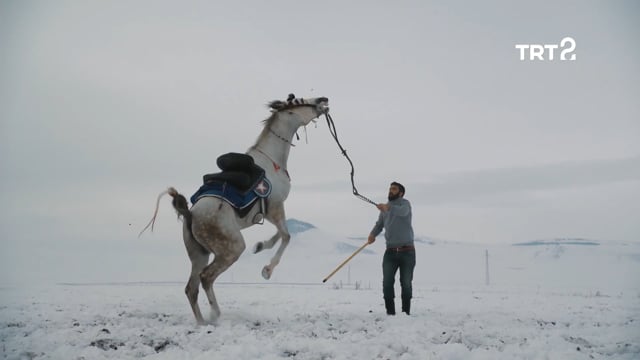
{"points": [[212, 225]]}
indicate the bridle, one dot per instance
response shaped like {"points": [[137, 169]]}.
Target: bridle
{"points": [[292, 101], [334, 134]]}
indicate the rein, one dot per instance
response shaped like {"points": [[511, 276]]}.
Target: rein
{"points": [[332, 130]]}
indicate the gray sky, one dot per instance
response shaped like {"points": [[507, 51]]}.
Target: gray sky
{"points": [[105, 104]]}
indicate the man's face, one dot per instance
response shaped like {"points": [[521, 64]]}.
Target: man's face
{"points": [[394, 192]]}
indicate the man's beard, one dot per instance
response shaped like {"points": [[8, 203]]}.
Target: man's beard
{"points": [[392, 197]]}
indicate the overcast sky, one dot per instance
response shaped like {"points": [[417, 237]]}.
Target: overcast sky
{"points": [[105, 104]]}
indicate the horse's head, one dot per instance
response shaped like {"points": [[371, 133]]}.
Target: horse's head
{"points": [[303, 111]]}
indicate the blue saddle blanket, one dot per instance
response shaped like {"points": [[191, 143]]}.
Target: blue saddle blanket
{"points": [[231, 194]]}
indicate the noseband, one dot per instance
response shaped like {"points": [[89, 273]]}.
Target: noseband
{"points": [[291, 105]]}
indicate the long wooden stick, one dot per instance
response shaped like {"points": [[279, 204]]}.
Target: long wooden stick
{"points": [[344, 262]]}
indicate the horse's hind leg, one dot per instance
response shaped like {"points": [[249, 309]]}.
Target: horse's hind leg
{"points": [[199, 257], [222, 260]]}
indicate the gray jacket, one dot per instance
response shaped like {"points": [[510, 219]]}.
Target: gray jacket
{"points": [[397, 224]]}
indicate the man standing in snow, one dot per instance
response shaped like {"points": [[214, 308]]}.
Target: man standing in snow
{"points": [[395, 218]]}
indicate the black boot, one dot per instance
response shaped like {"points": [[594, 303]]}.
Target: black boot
{"points": [[390, 305], [406, 305]]}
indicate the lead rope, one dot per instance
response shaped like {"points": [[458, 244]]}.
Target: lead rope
{"points": [[332, 130]]}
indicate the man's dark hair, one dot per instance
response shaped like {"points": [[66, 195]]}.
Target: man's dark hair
{"points": [[400, 186]]}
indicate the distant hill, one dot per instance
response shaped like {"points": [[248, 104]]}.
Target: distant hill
{"points": [[427, 240], [418, 239], [345, 248], [296, 226], [559, 241], [551, 263]]}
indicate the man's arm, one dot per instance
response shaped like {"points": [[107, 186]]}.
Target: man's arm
{"points": [[377, 229]]}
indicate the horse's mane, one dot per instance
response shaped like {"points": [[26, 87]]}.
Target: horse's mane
{"points": [[266, 123], [269, 121], [275, 106]]}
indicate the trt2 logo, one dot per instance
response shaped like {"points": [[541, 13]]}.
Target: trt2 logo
{"points": [[537, 51]]}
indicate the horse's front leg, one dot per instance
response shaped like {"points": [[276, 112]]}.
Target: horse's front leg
{"points": [[267, 244], [283, 233]]}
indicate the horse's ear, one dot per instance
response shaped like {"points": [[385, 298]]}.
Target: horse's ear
{"points": [[277, 105]]}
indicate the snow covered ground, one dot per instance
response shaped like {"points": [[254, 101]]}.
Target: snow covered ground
{"points": [[544, 300]]}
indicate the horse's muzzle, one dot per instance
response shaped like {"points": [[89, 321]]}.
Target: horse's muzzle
{"points": [[322, 104]]}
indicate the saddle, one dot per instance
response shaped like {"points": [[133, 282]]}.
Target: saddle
{"points": [[241, 183], [238, 170]]}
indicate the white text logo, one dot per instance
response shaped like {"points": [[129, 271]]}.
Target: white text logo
{"points": [[538, 51]]}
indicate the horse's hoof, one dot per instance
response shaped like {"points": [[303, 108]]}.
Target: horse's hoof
{"points": [[259, 247], [213, 321], [266, 272]]}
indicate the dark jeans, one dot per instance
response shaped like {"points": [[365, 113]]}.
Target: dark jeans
{"points": [[391, 262]]}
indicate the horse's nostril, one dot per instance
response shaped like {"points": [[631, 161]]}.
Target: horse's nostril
{"points": [[321, 100]]}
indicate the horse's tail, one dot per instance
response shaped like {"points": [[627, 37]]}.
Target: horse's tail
{"points": [[179, 203]]}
